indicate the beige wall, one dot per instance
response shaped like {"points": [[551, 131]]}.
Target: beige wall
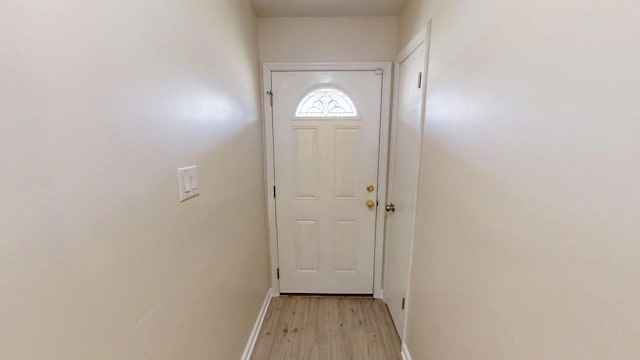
{"points": [[308, 39], [527, 243], [100, 102]]}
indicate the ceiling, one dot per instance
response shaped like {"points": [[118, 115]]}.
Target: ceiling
{"points": [[273, 8]]}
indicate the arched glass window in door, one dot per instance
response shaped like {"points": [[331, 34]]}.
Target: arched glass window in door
{"points": [[326, 103]]}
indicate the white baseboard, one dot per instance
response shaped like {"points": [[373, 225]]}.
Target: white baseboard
{"points": [[256, 327], [405, 352]]}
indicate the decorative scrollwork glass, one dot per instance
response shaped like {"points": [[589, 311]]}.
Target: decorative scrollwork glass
{"points": [[326, 103]]}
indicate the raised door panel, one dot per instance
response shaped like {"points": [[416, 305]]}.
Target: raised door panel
{"points": [[306, 242], [346, 163], [305, 163], [345, 245]]}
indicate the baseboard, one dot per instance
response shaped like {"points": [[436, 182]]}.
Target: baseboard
{"points": [[405, 352], [256, 327]]}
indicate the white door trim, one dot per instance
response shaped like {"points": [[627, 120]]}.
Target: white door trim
{"points": [[385, 111], [422, 37]]}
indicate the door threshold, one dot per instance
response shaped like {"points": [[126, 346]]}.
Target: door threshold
{"points": [[327, 295]]}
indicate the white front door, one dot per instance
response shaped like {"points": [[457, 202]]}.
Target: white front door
{"points": [[406, 140], [326, 127]]}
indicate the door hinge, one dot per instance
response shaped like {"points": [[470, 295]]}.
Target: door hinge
{"points": [[274, 192], [278, 274], [270, 93], [403, 302], [420, 80]]}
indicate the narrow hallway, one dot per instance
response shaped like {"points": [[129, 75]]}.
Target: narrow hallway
{"points": [[319, 327], [171, 168]]}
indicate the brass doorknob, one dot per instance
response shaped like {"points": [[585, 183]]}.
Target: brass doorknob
{"points": [[371, 204], [370, 188]]}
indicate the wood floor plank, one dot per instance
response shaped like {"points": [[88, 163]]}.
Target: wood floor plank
{"points": [[327, 328]]}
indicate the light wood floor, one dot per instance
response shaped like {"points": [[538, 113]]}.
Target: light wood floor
{"points": [[327, 328]]}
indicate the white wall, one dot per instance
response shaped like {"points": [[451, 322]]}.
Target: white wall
{"points": [[310, 39], [100, 102], [527, 237]]}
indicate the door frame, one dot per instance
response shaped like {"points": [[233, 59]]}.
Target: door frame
{"points": [[383, 156], [421, 37]]}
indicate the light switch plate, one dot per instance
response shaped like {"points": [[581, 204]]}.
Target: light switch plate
{"points": [[188, 184]]}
